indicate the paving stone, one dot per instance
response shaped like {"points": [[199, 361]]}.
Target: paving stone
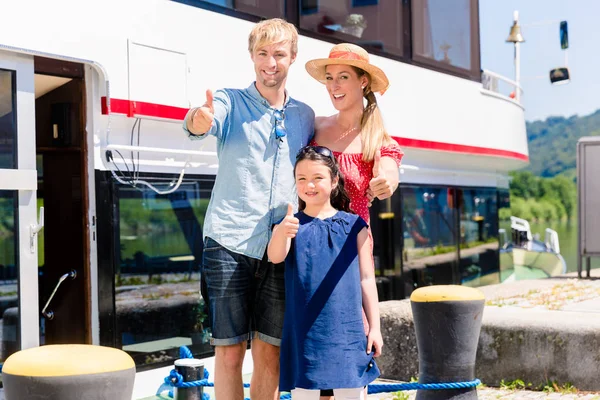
{"points": [[501, 394]]}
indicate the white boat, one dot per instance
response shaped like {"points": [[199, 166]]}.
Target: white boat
{"points": [[92, 95], [525, 256]]}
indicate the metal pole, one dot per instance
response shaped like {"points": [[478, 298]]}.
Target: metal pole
{"points": [[588, 265], [579, 204], [517, 63], [191, 369]]}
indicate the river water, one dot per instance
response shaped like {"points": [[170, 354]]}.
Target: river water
{"points": [[567, 235]]}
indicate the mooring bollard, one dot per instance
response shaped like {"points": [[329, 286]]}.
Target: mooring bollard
{"points": [[447, 322], [191, 369], [69, 372]]}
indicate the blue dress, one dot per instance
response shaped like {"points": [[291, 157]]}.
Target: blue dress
{"points": [[324, 344]]}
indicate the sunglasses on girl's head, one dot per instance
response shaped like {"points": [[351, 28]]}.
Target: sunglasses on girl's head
{"points": [[321, 150], [279, 127]]}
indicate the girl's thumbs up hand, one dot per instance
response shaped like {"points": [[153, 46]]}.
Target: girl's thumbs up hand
{"points": [[202, 117], [379, 186], [290, 224]]}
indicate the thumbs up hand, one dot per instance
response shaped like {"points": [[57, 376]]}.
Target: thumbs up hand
{"points": [[202, 117], [379, 186], [290, 224]]}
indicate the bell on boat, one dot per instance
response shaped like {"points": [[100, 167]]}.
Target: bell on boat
{"points": [[515, 35]]}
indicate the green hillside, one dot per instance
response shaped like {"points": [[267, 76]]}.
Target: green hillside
{"points": [[553, 142]]}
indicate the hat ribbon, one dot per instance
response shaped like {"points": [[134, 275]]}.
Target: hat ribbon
{"points": [[345, 55]]}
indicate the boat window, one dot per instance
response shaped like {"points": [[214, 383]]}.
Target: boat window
{"points": [[9, 277], [430, 233], [478, 210], [8, 130], [446, 34], [259, 8], [373, 24], [442, 35], [157, 279]]}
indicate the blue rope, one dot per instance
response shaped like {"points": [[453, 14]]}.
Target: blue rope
{"points": [[176, 380], [184, 352], [394, 387]]}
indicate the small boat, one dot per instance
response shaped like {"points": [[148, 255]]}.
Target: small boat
{"points": [[525, 256]]}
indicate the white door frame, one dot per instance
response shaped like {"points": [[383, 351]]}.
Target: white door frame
{"points": [[24, 180]]}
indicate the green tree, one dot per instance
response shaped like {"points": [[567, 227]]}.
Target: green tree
{"points": [[553, 142], [524, 185], [566, 192], [520, 208]]}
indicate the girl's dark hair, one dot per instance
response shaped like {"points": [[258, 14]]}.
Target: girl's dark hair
{"points": [[339, 197]]}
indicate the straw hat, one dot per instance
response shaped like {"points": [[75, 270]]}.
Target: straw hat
{"points": [[349, 54]]}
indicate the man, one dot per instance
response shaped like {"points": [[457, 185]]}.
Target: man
{"points": [[259, 131]]}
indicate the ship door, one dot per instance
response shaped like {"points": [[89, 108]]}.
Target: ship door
{"points": [[18, 206], [62, 190]]}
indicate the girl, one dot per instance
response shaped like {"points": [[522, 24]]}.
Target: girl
{"points": [[328, 278], [369, 158]]}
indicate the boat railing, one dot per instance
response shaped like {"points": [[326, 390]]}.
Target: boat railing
{"points": [[521, 225], [551, 240], [500, 85]]}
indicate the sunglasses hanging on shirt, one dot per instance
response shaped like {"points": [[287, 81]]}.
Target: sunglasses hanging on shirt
{"points": [[279, 126]]}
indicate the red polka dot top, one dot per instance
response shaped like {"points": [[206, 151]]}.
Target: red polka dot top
{"points": [[358, 174]]}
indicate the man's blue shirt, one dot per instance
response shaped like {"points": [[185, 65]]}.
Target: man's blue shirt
{"points": [[255, 180]]}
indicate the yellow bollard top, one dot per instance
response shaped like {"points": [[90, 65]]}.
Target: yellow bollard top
{"points": [[67, 360], [440, 293]]}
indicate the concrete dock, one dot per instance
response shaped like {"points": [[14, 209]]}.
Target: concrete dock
{"points": [[535, 331]]}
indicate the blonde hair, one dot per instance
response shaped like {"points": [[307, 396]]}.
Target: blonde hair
{"points": [[274, 30], [373, 134]]}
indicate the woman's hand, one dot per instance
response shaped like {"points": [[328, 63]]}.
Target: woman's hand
{"points": [[375, 340], [380, 186]]}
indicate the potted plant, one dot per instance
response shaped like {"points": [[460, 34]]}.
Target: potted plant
{"points": [[355, 25], [200, 335]]}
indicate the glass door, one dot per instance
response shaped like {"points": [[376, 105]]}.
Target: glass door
{"points": [[19, 308]]}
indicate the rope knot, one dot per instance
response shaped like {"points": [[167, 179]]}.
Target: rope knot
{"points": [[174, 378]]}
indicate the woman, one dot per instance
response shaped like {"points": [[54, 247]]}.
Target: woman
{"points": [[369, 158]]}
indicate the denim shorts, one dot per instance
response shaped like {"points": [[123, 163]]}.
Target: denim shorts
{"points": [[245, 296]]}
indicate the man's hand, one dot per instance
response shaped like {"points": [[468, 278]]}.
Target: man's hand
{"points": [[379, 186], [202, 118], [290, 224]]}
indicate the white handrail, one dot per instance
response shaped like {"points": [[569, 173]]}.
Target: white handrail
{"points": [[501, 77], [489, 81], [551, 240], [159, 150]]}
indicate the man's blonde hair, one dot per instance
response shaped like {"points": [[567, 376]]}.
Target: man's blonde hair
{"points": [[272, 31]]}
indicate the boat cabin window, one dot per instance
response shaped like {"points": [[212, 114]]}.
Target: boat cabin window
{"points": [[158, 253], [445, 35], [8, 128], [9, 273], [430, 234], [373, 24], [442, 35], [259, 8], [478, 211], [450, 235]]}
